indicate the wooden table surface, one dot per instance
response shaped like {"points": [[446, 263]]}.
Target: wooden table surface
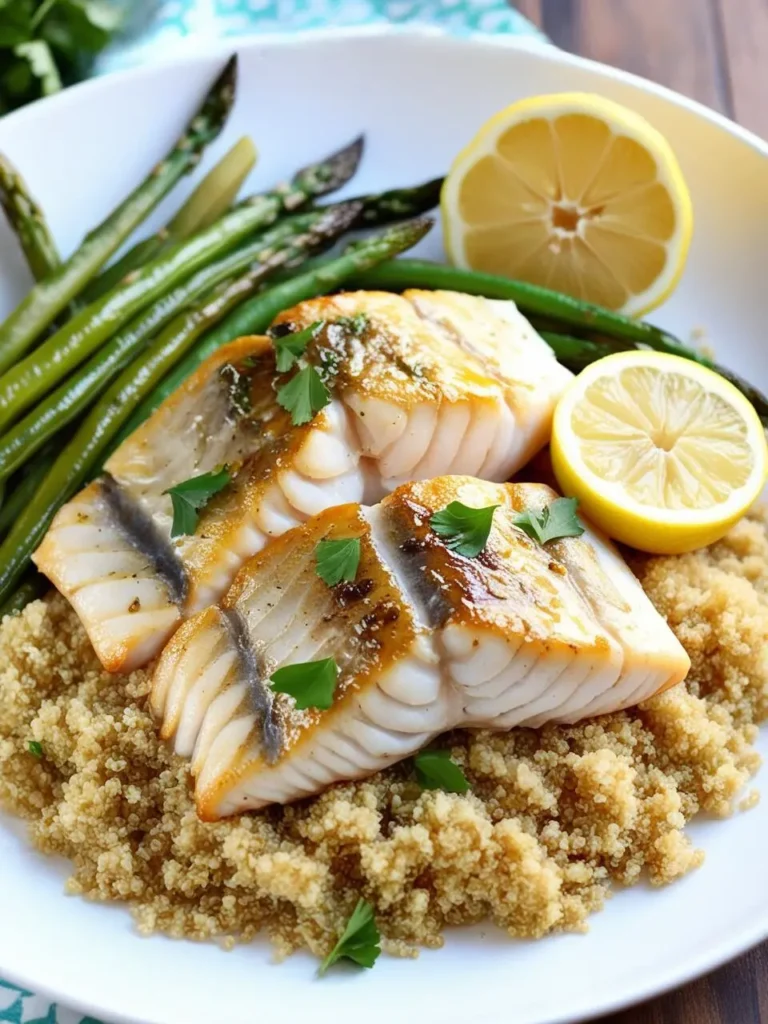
{"points": [[715, 51]]}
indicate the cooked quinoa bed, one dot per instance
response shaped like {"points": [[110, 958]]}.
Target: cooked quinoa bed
{"points": [[555, 819]]}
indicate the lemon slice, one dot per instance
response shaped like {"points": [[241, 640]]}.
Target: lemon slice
{"points": [[573, 192], [662, 453]]}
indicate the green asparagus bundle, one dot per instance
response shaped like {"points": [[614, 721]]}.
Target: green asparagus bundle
{"points": [[209, 201], [91, 328]]}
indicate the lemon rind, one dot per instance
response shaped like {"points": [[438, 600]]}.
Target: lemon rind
{"points": [[611, 498]]}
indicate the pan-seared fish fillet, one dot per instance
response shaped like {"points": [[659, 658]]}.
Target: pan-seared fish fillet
{"points": [[442, 382], [431, 383], [426, 640]]}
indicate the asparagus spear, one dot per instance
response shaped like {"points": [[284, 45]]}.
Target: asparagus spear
{"points": [[210, 200], [255, 315], [532, 299], [290, 240], [44, 368], [577, 353], [22, 487], [33, 585], [28, 222], [216, 192], [310, 182], [380, 209], [51, 295], [400, 203]]}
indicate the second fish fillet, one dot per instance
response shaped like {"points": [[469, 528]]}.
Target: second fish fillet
{"points": [[424, 640]]}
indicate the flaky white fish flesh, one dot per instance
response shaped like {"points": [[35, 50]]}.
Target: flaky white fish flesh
{"points": [[426, 383], [425, 639]]}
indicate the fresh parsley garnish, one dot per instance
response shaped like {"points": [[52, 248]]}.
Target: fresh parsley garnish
{"points": [[35, 749], [360, 940], [289, 347], [464, 529], [553, 522], [355, 324], [190, 496], [310, 683], [338, 560], [303, 396], [435, 769]]}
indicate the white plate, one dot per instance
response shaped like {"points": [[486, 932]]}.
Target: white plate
{"points": [[419, 97]]}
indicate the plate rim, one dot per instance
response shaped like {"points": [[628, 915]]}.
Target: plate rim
{"points": [[700, 963], [430, 34]]}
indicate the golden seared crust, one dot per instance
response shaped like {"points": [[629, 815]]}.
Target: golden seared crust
{"points": [[515, 585], [396, 356], [574, 592], [370, 628], [296, 547], [370, 614], [510, 350]]}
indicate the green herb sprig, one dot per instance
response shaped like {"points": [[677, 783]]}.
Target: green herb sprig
{"points": [[360, 941], [191, 496], [303, 396], [435, 769], [553, 522], [356, 324], [465, 530], [290, 347], [310, 683], [337, 560]]}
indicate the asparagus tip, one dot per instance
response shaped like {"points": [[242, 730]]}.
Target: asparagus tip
{"points": [[411, 231], [399, 203], [340, 217], [229, 74], [432, 187], [334, 171], [221, 95]]}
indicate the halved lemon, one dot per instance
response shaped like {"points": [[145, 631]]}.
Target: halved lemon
{"points": [[573, 192], [662, 453]]}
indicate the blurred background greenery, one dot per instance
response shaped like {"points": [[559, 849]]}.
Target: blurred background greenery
{"points": [[48, 44]]}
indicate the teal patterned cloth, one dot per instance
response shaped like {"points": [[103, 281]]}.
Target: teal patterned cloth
{"points": [[164, 28], [168, 27]]}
